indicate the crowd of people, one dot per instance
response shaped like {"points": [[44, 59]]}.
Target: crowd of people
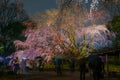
{"points": [[95, 64], [17, 66]]}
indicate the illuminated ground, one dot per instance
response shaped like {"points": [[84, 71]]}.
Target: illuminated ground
{"points": [[51, 75]]}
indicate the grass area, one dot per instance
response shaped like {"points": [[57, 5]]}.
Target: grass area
{"points": [[113, 68], [64, 67], [113, 64]]}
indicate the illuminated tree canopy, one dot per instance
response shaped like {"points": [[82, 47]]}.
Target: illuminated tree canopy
{"points": [[49, 39], [72, 28]]}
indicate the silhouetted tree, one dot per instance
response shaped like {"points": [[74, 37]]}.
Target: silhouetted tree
{"points": [[114, 25], [12, 15]]}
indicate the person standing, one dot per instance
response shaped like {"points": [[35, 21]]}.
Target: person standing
{"points": [[82, 68], [103, 61], [72, 65], [95, 64], [58, 63], [15, 65], [23, 65]]}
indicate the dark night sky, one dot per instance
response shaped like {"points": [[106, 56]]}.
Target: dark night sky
{"points": [[34, 6]]}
